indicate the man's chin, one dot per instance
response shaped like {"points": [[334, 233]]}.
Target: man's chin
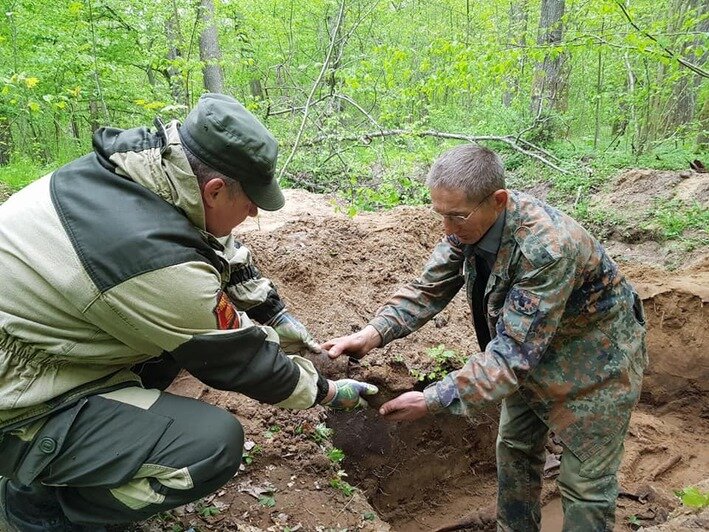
{"points": [[466, 240]]}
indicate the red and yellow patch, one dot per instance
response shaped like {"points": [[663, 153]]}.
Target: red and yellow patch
{"points": [[227, 316]]}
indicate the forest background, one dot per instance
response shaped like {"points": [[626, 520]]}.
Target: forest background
{"points": [[364, 94]]}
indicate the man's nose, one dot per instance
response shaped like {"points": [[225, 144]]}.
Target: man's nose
{"points": [[448, 226]]}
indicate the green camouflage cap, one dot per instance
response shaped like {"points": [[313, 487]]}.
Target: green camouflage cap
{"points": [[221, 133]]}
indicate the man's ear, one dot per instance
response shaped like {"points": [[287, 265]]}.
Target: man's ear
{"points": [[211, 191], [500, 199]]}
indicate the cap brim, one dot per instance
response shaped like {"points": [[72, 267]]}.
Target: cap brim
{"points": [[267, 197]]}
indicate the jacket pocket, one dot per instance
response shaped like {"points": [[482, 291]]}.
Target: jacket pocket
{"points": [[47, 444], [100, 442], [521, 307]]}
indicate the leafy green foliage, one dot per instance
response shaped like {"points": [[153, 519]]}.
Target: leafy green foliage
{"points": [[675, 217], [21, 172], [336, 455], [443, 361], [208, 511], [342, 485], [267, 501], [692, 497], [248, 456], [634, 521], [413, 66], [322, 433], [272, 431]]}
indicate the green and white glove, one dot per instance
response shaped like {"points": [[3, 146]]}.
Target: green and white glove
{"points": [[349, 394], [293, 335]]}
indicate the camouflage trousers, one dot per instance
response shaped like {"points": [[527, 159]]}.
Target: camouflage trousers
{"points": [[116, 458], [589, 489]]}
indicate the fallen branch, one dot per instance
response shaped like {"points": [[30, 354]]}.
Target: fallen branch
{"points": [[665, 466], [510, 140]]}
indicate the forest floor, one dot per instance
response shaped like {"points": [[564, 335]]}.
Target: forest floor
{"points": [[334, 272], [439, 473]]}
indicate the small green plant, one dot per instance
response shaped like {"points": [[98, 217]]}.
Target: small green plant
{"points": [[444, 361], [342, 485], [248, 456], [369, 516], [336, 455], [693, 498], [208, 511], [321, 433], [633, 520], [272, 430], [267, 501]]}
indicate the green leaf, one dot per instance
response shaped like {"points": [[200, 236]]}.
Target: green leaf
{"points": [[267, 501], [693, 498]]}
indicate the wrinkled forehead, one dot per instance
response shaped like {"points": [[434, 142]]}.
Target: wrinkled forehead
{"points": [[450, 200]]}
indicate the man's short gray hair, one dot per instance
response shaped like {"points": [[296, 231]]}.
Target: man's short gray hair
{"points": [[477, 170], [206, 173]]}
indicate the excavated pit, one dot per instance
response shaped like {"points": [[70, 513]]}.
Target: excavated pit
{"points": [[439, 473]]}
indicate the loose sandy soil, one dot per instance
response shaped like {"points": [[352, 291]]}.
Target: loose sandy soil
{"points": [[334, 272]]}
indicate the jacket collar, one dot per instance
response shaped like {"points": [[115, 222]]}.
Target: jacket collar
{"points": [[162, 167], [507, 240]]}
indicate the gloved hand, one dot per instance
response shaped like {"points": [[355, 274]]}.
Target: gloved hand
{"points": [[293, 335], [349, 394]]}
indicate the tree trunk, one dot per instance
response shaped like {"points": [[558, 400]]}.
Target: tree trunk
{"points": [[94, 121], [549, 85], [335, 31], [517, 35], [256, 89], [5, 141], [685, 90], [209, 51], [174, 55]]}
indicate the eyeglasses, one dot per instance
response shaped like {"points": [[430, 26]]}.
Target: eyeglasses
{"points": [[458, 219]]}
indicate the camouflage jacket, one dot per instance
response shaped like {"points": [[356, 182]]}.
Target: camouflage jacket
{"points": [[567, 329]]}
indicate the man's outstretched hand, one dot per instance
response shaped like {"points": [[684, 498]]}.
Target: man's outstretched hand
{"points": [[407, 407], [348, 394], [355, 345]]}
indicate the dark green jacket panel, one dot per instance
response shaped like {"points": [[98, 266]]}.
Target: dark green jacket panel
{"points": [[119, 228], [256, 368]]}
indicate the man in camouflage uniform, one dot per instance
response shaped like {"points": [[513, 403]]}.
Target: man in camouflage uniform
{"points": [[118, 271], [561, 334]]}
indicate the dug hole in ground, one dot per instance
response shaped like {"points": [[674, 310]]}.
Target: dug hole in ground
{"points": [[439, 473]]}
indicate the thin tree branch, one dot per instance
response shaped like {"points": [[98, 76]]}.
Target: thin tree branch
{"points": [[292, 110], [95, 61], [506, 139], [325, 65], [359, 108], [682, 61]]}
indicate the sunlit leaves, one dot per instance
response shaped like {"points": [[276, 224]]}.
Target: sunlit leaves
{"points": [[75, 8]]}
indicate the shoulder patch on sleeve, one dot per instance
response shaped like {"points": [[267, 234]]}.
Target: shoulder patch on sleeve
{"points": [[227, 316], [537, 252]]}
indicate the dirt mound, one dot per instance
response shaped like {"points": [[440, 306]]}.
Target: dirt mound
{"points": [[625, 212], [334, 272], [640, 189]]}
